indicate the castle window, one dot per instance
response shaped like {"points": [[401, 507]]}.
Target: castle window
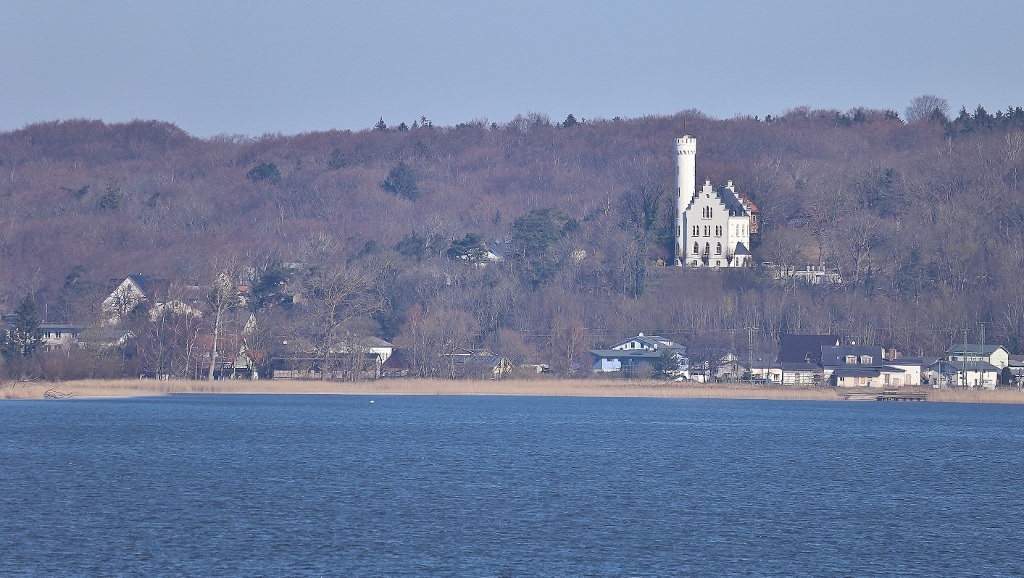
{"points": [[707, 230], [718, 230], [718, 249], [696, 230], [707, 248], [696, 248]]}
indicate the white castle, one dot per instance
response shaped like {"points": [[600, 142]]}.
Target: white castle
{"points": [[713, 226]]}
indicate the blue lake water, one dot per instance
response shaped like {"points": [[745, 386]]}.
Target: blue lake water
{"points": [[509, 486]]}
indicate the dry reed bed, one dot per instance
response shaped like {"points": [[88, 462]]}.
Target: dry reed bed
{"points": [[527, 387]]}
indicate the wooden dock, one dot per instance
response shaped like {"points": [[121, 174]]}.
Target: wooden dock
{"points": [[902, 396]]}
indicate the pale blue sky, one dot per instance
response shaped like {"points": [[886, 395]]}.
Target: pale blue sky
{"points": [[252, 67]]}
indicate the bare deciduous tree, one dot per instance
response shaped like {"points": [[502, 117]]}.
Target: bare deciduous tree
{"points": [[924, 106]]}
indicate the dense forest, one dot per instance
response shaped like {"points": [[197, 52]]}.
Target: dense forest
{"points": [[340, 234]]}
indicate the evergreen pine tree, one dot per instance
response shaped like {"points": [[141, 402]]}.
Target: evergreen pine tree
{"points": [[402, 182], [24, 337]]}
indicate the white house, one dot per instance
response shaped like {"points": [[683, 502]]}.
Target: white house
{"points": [[997, 355], [859, 366], [713, 226], [914, 369], [961, 374], [135, 290], [60, 336]]}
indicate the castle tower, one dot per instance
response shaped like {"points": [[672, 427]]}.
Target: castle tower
{"points": [[686, 187]]}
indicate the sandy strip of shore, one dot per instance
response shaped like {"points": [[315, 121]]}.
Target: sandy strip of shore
{"points": [[534, 387]]}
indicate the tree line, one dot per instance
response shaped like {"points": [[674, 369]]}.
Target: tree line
{"points": [[921, 217]]}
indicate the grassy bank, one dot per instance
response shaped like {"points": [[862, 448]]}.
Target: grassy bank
{"points": [[537, 387]]}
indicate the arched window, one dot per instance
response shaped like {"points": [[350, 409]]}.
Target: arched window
{"points": [[709, 212], [707, 230], [707, 248], [696, 248], [718, 230], [718, 249], [696, 230]]}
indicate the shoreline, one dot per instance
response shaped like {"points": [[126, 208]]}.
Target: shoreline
{"points": [[95, 388]]}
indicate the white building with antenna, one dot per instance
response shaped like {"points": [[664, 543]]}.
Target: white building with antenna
{"points": [[713, 226]]}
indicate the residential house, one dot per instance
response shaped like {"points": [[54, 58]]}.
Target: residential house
{"points": [[364, 359], [799, 373], [859, 366], [804, 348], [377, 346], [60, 336], [996, 355], [630, 354], [480, 364], [128, 294], [764, 368], [799, 359], [915, 369], [970, 365], [1016, 365], [963, 374], [729, 368], [396, 365]]}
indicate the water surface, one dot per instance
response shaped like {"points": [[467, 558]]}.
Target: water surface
{"points": [[508, 486]]}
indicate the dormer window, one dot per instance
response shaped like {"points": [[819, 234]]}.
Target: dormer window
{"points": [[866, 359], [851, 359]]}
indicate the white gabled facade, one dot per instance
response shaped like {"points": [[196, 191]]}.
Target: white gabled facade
{"points": [[713, 226]]}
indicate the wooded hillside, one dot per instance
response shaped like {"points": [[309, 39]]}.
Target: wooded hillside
{"points": [[922, 220]]}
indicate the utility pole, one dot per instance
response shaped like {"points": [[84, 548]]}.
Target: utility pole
{"points": [[981, 355], [965, 358], [732, 351], [750, 352]]}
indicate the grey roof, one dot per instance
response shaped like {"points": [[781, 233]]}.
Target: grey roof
{"points": [[921, 361], [942, 365], [797, 348], [376, 342], [625, 354], [761, 360], [800, 366], [973, 348], [736, 208], [152, 287], [741, 249], [62, 326], [836, 355], [857, 372], [865, 371], [654, 341]]}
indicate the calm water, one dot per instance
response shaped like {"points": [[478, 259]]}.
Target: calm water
{"points": [[492, 486]]}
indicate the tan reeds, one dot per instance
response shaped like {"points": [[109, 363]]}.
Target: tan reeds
{"points": [[536, 387]]}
